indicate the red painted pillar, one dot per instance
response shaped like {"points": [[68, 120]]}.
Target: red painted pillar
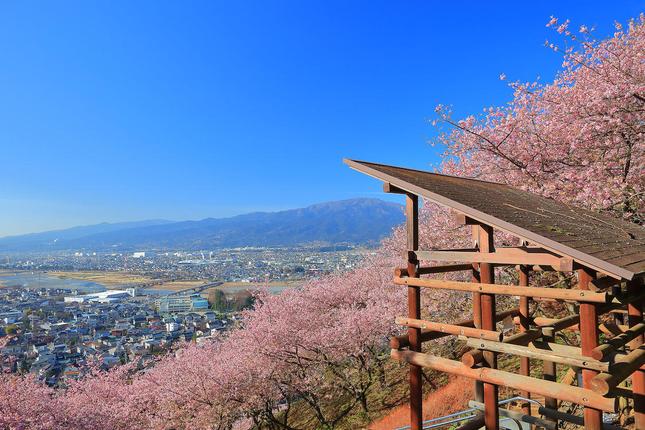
{"points": [[414, 311], [477, 309], [588, 341], [635, 316], [488, 314], [525, 362]]}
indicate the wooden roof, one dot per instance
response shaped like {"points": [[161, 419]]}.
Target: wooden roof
{"points": [[594, 240]]}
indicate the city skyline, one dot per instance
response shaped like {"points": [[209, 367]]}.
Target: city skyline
{"points": [[119, 112]]}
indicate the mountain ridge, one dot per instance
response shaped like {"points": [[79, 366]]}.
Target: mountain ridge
{"points": [[361, 221]]}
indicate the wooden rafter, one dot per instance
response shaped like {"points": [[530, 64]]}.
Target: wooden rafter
{"points": [[511, 256]]}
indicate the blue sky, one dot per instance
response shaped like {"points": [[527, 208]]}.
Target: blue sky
{"points": [[115, 111]]}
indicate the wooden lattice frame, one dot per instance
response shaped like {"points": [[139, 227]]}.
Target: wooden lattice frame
{"points": [[603, 368]]}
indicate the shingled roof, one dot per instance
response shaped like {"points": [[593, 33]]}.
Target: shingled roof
{"points": [[594, 240]]}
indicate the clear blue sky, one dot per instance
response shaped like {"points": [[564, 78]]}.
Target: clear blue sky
{"points": [[114, 111]]}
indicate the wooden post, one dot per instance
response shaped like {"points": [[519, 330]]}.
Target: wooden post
{"points": [[414, 311], [588, 341], [477, 310], [549, 369], [487, 276], [635, 316], [525, 362]]}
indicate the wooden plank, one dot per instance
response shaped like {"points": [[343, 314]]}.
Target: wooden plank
{"points": [[566, 393], [626, 260], [450, 328], [414, 311], [511, 255], [539, 354], [637, 266], [508, 290]]}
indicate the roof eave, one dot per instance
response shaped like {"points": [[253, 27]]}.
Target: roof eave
{"points": [[551, 245]]}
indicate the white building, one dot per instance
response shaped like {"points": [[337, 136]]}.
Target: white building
{"points": [[103, 297]]}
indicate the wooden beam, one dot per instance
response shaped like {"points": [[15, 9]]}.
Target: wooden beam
{"points": [[508, 255], [557, 324], [539, 354], [574, 351], [606, 349], [620, 370], [508, 290], [568, 321], [475, 356], [392, 189], [566, 393], [559, 349], [611, 329], [398, 342], [589, 341], [461, 219], [430, 270], [450, 328], [414, 311]]}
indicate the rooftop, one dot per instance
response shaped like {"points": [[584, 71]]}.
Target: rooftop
{"points": [[592, 239]]}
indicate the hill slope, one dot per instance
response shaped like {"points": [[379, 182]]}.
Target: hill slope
{"points": [[356, 221]]}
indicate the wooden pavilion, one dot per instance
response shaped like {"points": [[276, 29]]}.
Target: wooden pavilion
{"points": [[609, 257]]}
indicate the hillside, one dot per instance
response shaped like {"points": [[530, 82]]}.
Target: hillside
{"points": [[355, 221]]}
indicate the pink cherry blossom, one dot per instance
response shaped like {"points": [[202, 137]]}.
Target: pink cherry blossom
{"points": [[577, 139]]}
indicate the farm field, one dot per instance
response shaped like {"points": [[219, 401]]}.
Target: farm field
{"points": [[108, 279]]}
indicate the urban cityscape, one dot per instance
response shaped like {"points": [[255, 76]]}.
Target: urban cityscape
{"points": [[61, 314]]}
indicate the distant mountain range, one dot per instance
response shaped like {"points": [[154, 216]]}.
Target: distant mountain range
{"points": [[355, 221]]}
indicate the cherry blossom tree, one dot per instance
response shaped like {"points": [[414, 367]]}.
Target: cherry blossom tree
{"points": [[578, 139]]}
